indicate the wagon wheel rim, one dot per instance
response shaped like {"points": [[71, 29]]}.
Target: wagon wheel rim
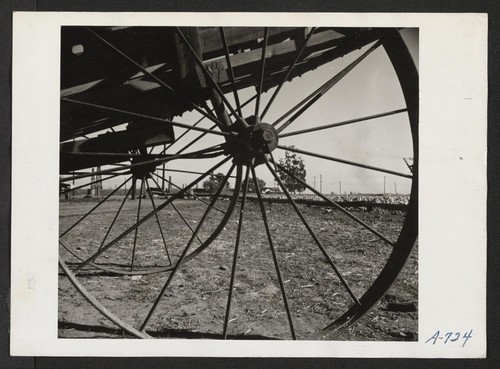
{"points": [[401, 248]]}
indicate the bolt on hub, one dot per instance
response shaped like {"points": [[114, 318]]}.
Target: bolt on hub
{"points": [[254, 141]]}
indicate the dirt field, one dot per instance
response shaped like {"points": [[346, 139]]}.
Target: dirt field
{"points": [[194, 305]]}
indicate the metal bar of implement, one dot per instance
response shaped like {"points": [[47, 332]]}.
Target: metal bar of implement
{"points": [[343, 123], [158, 219], [196, 197], [117, 154], [335, 205], [184, 252], [230, 70], [151, 75], [235, 255], [143, 116], [177, 211], [69, 179], [273, 251], [90, 183], [290, 68], [332, 82], [155, 161], [331, 158], [185, 171], [313, 235], [262, 72], [148, 216], [95, 207], [75, 172]]}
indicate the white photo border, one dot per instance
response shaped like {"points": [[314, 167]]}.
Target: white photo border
{"points": [[452, 188]]}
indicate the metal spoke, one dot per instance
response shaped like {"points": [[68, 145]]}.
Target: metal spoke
{"points": [[155, 78], [182, 135], [95, 207], [343, 123], [184, 252], [289, 71], [143, 116], [177, 211], [185, 171], [119, 166], [273, 251], [262, 71], [70, 251], [301, 103], [334, 204], [116, 154], [192, 142], [148, 216], [158, 219], [208, 153], [313, 235], [326, 87], [137, 220], [230, 70], [207, 74], [114, 219], [235, 256], [353, 163], [203, 134], [196, 197], [90, 183]]}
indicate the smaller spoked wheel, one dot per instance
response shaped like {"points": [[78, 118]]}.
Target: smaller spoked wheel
{"points": [[256, 184], [141, 225]]}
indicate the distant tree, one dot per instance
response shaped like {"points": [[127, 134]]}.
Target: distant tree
{"points": [[294, 164], [213, 183], [251, 185]]}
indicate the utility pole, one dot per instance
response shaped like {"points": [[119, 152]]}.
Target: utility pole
{"points": [[134, 187], [340, 188], [384, 185], [395, 188], [164, 173], [320, 183], [314, 185]]}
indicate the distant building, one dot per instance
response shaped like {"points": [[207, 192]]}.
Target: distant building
{"points": [[271, 190]]}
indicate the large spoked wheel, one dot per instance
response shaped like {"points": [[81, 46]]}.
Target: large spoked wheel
{"points": [[285, 259]]}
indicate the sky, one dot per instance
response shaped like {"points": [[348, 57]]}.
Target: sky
{"points": [[371, 88]]}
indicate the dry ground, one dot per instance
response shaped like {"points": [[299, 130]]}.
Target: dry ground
{"points": [[194, 305]]}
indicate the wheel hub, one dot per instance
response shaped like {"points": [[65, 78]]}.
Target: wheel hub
{"points": [[253, 142], [142, 171]]}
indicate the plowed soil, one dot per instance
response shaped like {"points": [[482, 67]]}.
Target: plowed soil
{"points": [[194, 304]]}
